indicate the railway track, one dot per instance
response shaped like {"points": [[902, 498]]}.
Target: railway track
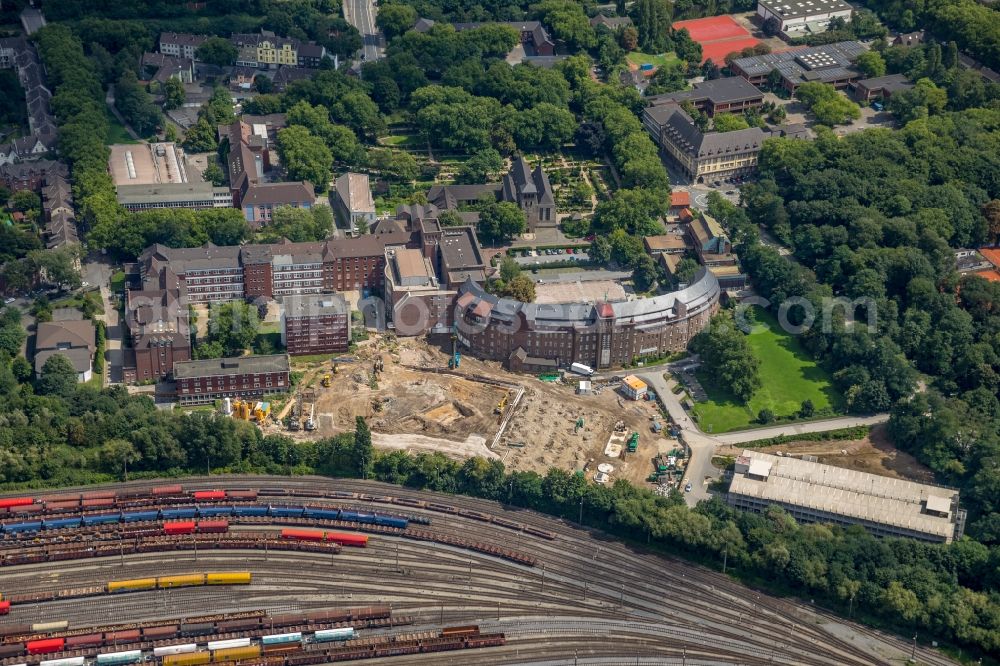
{"points": [[588, 600]]}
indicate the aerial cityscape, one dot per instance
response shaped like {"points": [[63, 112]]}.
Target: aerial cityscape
{"points": [[535, 332]]}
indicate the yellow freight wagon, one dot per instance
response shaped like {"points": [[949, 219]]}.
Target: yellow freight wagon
{"points": [[181, 581], [235, 578], [236, 654], [50, 626], [189, 659], [136, 584]]}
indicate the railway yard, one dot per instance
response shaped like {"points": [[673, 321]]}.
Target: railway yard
{"points": [[283, 571]]}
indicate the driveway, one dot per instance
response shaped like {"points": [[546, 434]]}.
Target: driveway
{"points": [[700, 471], [581, 276], [551, 258], [742, 436]]}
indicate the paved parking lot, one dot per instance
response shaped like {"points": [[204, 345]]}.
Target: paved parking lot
{"points": [[551, 258]]}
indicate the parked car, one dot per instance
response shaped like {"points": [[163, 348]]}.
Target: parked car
{"points": [[8, 301], [687, 488], [569, 250]]}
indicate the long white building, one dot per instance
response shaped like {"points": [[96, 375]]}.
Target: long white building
{"points": [[800, 16], [815, 493]]}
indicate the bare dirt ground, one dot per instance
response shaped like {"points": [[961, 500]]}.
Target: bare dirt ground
{"points": [[545, 423], [874, 454], [417, 404]]}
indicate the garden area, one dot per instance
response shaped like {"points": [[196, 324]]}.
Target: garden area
{"points": [[789, 377], [638, 58]]}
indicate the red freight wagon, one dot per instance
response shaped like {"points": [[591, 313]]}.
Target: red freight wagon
{"points": [[242, 494], [4, 607], [358, 540], [160, 491], [121, 637], [209, 494], [159, 633], [183, 527], [15, 501], [302, 535], [86, 641], [45, 646], [26, 509], [62, 506], [98, 501], [98, 494], [209, 526]]}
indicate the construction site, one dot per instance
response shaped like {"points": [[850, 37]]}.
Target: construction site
{"points": [[421, 397]]}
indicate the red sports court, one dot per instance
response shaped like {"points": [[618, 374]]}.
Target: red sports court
{"points": [[718, 35]]}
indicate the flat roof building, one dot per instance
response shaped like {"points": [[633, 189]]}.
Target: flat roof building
{"points": [[148, 164], [817, 493], [881, 86], [796, 17], [830, 63], [315, 323], [243, 377], [732, 94], [174, 195]]}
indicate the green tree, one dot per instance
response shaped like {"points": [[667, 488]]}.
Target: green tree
{"points": [[644, 273], [117, 454], [726, 353], [450, 218], [637, 211], [60, 267], [871, 63], [600, 251], [173, 93], [233, 325], [200, 137], [215, 175], [807, 409], [394, 19], [482, 167], [500, 222], [509, 269], [653, 20], [567, 22], [728, 122], [217, 51], [24, 201], [397, 165], [305, 156], [58, 377], [521, 288], [362, 453]]}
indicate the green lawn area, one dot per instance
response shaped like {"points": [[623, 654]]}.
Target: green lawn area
{"points": [[639, 58], [117, 132], [77, 299], [402, 141], [117, 282], [788, 374]]}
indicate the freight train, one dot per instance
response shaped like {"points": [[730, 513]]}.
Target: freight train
{"points": [[177, 514], [184, 580]]}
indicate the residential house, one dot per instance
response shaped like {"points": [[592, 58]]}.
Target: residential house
{"points": [[288, 74], [73, 339], [180, 44], [909, 38], [161, 68], [30, 175], [612, 23], [715, 252]]}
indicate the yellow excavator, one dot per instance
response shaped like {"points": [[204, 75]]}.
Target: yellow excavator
{"points": [[326, 380], [502, 405]]}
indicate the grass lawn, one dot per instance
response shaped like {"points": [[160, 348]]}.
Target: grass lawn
{"points": [[402, 141], [117, 132], [117, 282], [639, 58], [788, 374], [76, 300]]}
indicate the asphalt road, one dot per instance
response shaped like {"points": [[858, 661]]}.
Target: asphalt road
{"points": [[700, 471], [361, 14]]}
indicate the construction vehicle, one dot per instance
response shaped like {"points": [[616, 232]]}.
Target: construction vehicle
{"points": [[326, 380], [633, 442], [579, 424], [311, 421], [619, 426], [261, 411], [502, 405], [336, 368], [456, 356]]}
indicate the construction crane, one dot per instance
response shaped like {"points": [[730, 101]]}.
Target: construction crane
{"points": [[311, 421]]}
